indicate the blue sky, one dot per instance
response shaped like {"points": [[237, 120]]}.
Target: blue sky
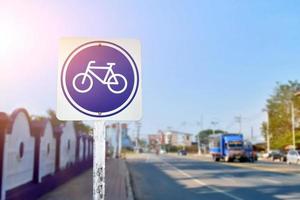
{"points": [[216, 59]]}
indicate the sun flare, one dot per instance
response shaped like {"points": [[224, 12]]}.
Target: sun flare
{"points": [[10, 35]]}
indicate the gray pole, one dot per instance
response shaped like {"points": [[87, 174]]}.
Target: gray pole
{"points": [[268, 132], [293, 124], [138, 127], [214, 123], [240, 123], [199, 139], [199, 146], [120, 139]]}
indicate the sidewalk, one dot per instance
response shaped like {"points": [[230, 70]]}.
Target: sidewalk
{"points": [[81, 187]]}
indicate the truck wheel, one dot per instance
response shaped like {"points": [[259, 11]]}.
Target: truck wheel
{"points": [[214, 158], [227, 159]]}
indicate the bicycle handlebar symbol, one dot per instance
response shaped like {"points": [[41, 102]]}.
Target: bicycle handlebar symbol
{"points": [[110, 79]]}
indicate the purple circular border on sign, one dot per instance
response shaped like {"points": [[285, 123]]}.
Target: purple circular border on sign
{"points": [[137, 78]]}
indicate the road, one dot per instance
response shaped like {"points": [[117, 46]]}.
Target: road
{"points": [[169, 177]]}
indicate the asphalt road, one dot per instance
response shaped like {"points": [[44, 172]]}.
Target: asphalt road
{"points": [[171, 178]]}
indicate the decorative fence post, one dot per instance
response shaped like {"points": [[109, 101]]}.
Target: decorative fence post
{"points": [[4, 121]]}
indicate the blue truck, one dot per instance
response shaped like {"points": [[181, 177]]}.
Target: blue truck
{"points": [[227, 147]]}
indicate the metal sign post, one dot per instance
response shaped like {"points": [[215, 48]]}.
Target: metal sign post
{"points": [[99, 160], [99, 80]]}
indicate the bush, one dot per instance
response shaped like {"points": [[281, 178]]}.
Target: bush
{"points": [[173, 149], [192, 149]]}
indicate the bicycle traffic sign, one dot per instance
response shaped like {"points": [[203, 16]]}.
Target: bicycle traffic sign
{"points": [[99, 79], [110, 78]]}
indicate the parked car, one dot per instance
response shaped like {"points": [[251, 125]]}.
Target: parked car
{"points": [[162, 151], [263, 155], [182, 152], [251, 154], [277, 155], [293, 156]]}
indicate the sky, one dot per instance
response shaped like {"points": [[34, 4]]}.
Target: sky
{"points": [[201, 60]]}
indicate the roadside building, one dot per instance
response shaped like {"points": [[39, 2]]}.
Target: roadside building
{"points": [[117, 138], [155, 139], [126, 140], [177, 138], [170, 137]]}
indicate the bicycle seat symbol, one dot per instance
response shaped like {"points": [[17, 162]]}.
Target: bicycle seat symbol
{"points": [[83, 82]]}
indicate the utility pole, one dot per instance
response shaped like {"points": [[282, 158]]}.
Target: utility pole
{"points": [[138, 128], [293, 124], [252, 136], [239, 120], [268, 134], [214, 123], [268, 131], [199, 139], [120, 139]]}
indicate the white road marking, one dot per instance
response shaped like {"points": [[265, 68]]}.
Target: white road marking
{"points": [[291, 196], [203, 183], [271, 181], [228, 178]]}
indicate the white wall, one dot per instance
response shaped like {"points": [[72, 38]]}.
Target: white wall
{"points": [[16, 170], [86, 148], [167, 137], [91, 148], [81, 147], [47, 159], [67, 156]]}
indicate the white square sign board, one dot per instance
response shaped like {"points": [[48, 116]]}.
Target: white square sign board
{"points": [[99, 79]]}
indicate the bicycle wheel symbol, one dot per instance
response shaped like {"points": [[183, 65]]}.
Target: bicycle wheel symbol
{"points": [[119, 79], [82, 85]]}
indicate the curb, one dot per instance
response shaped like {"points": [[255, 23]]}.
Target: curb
{"points": [[128, 185]]}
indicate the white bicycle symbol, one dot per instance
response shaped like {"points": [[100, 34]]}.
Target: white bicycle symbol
{"points": [[110, 79]]}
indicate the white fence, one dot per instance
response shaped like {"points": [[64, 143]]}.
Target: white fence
{"points": [[31, 150]]}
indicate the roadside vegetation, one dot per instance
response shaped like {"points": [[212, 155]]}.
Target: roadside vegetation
{"points": [[279, 109]]}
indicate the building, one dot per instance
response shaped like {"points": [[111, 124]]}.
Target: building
{"points": [[154, 139], [174, 138], [177, 138], [126, 140], [117, 138]]}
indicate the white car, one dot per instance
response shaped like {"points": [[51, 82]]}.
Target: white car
{"points": [[293, 156], [162, 151]]}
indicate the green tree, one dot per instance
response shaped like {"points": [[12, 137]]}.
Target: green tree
{"points": [[204, 135], [81, 127], [263, 129], [38, 117], [142, 143], [279, 111], [78, 125], [53, 119]]}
